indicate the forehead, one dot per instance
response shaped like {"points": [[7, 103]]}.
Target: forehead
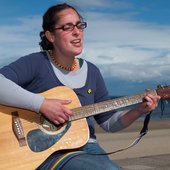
{"points": [[68, 15]]}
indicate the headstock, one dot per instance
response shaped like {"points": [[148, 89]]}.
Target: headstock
{"points": [[163, 91]]}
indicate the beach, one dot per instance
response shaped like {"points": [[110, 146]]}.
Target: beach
{"points": [[155, 143]]}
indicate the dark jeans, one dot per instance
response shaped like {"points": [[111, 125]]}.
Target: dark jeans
{"points": [[84, 161]]}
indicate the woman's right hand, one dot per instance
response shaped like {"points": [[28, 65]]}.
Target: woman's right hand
{"points": [[55, 111]]}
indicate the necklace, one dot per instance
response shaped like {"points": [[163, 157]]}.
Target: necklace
{"points": [[71, 68]]}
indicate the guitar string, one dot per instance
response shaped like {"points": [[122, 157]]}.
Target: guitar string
{"points": [[142, 133], [136, 141]]}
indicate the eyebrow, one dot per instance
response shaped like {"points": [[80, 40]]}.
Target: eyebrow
{"points": [[70, 23]]}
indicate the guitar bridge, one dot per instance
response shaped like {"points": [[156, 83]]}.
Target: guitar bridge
{"points": [[17, 129]]}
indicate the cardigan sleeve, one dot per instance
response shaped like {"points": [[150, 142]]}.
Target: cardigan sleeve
{"points": [[23, 70], [13, 77]]}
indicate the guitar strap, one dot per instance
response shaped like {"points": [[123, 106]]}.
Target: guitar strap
{"points": [[59, 163], [142, 133], [57, 160]]}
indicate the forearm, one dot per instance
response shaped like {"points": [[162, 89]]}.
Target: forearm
{"points": [[150, 102], [113, 124], [12, 94], [120, 120], [127, 117]]}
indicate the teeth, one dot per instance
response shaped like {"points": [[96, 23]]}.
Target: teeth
{"points": [[76, 41]]}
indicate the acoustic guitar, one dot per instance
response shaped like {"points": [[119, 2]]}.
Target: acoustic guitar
{"points": [[28, 138]]}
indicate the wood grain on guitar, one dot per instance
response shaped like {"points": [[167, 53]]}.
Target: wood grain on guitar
{"points": [[42, 139], [28, 138]]}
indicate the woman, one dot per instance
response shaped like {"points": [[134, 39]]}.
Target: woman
{"points": [[57, 65]]}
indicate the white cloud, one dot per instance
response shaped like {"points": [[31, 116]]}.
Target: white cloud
{"points": [[19, 39], [122, 47], [128, 49]]}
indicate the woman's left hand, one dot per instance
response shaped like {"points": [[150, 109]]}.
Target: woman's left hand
{"points": [[149, 103]]}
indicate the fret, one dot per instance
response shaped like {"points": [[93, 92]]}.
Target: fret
{"points": [[104, 106], [101, 107], [82, 112]]}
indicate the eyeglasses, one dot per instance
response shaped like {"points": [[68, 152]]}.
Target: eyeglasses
{"points": [[70, 26]]}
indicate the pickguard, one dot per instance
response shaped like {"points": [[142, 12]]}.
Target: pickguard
{"points": [[39, 141]]}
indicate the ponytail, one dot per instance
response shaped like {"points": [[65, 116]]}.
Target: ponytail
{"points": [[44, 43]]}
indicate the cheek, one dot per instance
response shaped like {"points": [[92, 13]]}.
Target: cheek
{"points": [[65, 40], [61, 41]]}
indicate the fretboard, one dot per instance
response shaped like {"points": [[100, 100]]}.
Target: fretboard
{"points": [[109, 105]]}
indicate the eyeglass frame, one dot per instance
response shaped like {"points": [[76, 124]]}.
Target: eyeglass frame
{"points": [[73, 26]]}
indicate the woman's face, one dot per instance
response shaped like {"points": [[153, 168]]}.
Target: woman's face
{"points": [[68, 42]]}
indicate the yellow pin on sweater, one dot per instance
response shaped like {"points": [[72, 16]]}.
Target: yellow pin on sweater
{"points": [[89, 91]]}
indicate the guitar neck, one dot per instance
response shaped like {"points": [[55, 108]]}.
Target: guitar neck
{"points": [[109, 105]]}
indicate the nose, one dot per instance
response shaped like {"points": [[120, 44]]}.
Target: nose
{"points": [[76, 31]]}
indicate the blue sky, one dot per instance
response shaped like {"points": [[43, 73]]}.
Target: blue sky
{"points": [[129, 40]]}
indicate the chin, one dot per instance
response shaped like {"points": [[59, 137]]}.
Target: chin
{"points": [[77, 52]]}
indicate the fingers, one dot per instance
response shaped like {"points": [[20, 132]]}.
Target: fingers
{"points": [[152, 100], [65, 102], [56, 110], [64, 113], [59, 120], [67, 112], [56, 122]]}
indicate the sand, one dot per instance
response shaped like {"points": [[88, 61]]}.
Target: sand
{"points": [[155, 142]]}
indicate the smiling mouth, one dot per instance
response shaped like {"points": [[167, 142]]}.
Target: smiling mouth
{"points": [[76, 42]]}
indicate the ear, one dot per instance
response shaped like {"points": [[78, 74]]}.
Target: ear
{"points": [[49, 36]]}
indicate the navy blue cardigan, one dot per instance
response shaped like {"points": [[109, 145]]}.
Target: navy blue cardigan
{"points": [[35, 74]]}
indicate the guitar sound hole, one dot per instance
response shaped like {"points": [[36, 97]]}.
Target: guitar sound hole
{"points": [[49, 127]]}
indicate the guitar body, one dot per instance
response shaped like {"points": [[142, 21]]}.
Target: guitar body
{"points": [[30, 149]]}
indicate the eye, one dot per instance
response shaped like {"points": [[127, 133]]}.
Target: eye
{"points": [[68, 26], [81, 25]]}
